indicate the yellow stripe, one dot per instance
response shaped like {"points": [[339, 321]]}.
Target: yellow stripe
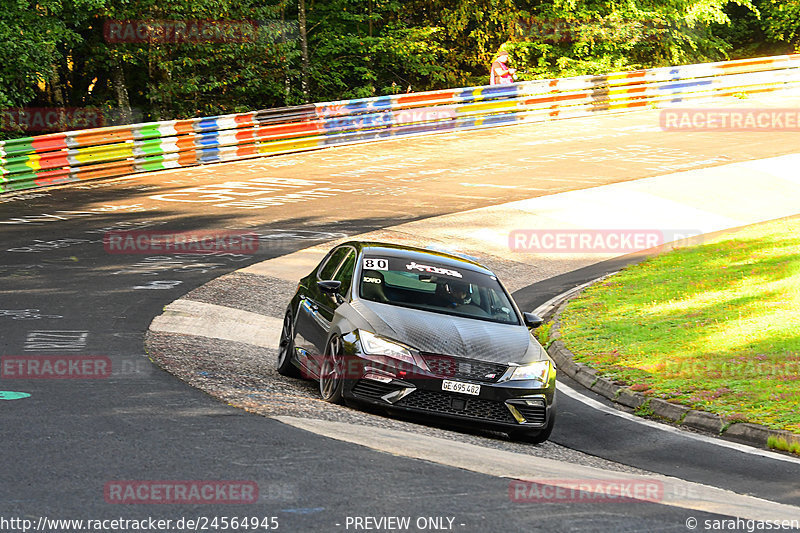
{"points": [[277, 146], [33, 161], [107, 152], [503, 105]]}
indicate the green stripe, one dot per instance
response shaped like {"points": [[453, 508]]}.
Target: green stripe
{"points": [[150, 146], [23, 145], [153, 162], [21, 182], [149, 131], [16, 165]]}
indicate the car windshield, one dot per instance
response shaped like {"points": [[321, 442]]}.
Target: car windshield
{"points": [[431, 286]]}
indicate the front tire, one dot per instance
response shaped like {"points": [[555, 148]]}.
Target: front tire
{"points": [[331, 374], [286, 348]]}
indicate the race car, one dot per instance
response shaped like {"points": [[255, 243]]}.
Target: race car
{"points": [[422, 332]]}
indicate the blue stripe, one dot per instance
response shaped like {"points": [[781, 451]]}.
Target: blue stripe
{"points": [[207, 139], [206, 124], [683, 85], [208, 155]]}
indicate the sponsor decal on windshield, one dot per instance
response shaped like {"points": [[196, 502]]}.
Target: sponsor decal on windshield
{"points": [[433, 270]]}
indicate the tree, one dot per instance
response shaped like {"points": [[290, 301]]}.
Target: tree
{"points": [[781, 22]]}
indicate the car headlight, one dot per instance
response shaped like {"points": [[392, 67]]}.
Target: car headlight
{"points": [[375, 345], [539, 371]]}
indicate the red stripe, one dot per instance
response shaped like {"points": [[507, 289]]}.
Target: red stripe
{"points": [[286, 131], [554, 98], [46, 143], [182, 127], [53, 160], [245, 119], [636, 74], [52, 177], [434, 96], [104, 170], [247, 149], [102, 136], [743, 62], [246, 134], [187, 154]]}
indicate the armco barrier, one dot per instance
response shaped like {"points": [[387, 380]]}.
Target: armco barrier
{"points": [[67, 157]]}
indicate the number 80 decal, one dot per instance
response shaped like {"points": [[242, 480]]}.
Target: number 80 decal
{"points": [[376, 264]]}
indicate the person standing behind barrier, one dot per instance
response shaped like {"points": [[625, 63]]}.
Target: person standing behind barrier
{"points": [[500, 73]]}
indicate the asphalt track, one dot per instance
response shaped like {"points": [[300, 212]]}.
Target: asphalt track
{"points": [[70, 437]]}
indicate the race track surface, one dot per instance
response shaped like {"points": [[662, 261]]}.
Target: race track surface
{"points": [[62, 293]]}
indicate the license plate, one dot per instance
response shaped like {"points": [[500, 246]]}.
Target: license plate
{"points": [[463, 388]]}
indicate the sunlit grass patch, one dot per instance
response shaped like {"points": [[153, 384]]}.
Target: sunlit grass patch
{"points": [[714, 327]]}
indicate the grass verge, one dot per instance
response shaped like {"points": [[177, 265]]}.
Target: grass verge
{"points": [[714, 327]]}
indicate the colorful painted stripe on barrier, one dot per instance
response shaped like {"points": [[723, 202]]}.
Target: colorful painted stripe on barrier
{"points": [[117, 151]]}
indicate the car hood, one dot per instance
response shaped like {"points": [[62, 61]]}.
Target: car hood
{"points": [[449, 335]]}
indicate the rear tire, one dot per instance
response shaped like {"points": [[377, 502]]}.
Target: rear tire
{"points": [[286, 348]]}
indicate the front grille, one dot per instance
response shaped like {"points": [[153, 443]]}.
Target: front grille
{"points": [[448, 366], [534, 414], [441, 402], [372, 390]]}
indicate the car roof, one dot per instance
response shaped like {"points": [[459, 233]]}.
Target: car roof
{"points": [[419, 254]]}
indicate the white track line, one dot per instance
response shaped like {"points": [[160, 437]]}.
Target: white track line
{"points": [[190, 317], [522, 466], [572, 393]]}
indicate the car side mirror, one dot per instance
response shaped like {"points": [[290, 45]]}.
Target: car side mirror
{"points": [[329, 286], [531, 320]]}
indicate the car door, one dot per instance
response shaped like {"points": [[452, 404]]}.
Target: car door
{"points": [[316, 308]]}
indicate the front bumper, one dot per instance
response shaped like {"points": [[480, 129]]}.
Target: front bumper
{"points": [[508, 405]]}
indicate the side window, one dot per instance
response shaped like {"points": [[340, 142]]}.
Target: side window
{"points": [[329, 268], [345, 273]]}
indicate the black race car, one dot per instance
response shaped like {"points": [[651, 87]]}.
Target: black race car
{"points": [[419, 331]]}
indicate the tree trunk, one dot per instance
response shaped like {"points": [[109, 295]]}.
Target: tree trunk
{"points": [[287, 85], [121, 90], [301, 18], [56, 94]]}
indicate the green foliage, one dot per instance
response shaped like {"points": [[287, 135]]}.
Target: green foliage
{"points": [[32, 35], [644, 409], [589, 37], [542, 334], [351, 58], [780, 443], [55, 53], [780, 21]]}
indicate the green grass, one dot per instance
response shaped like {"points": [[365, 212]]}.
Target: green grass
{"points": [[542, 334], [714, 327], [780, 443]]}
